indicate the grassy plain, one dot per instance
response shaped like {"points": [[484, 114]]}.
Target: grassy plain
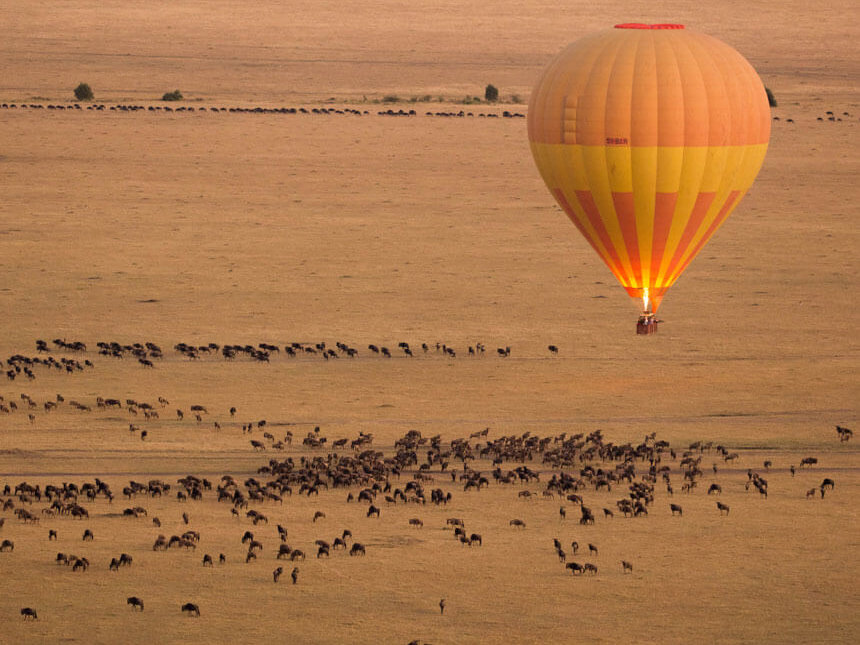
{"points": [[246, 228]]}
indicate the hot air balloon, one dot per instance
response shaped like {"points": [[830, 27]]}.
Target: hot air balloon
{"points": [[648, 136]]}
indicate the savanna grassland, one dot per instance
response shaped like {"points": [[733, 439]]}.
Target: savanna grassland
{"points": [[236, 227]]}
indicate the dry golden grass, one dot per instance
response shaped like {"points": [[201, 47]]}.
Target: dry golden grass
{"points": [[239, 228]]}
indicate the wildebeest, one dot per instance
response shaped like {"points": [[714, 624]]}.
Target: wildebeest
{"points": [[723, 507], [295, 575], [191, 609], [357, 549], [592, 549], [575, 568], [207, 560], [518, 523], [52, 534], [626, 567], [29, 612], [7, 545], [808, 461], [284, 551], [135, 603], [575, 546], [676, 509], [297, 554], [828, 483], [320, 515], [417, 523], [372, 511], [590, 568], [715, 488], [277, 573], [476, 537]]}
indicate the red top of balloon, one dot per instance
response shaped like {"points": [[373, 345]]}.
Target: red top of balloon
{"points": [[639, 25]]}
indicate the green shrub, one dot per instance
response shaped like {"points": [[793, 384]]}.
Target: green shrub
{"points": [[84, 92], [175, 95], [491, 94], [771, 100], [390, 98]]}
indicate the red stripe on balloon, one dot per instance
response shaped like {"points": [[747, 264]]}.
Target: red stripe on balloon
{"points": [[591, 210], [697, 216], [625, 210], [664, 211], [719, 219]]}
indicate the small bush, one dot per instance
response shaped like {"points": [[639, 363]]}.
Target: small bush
{"points": [[84, 92], [771, 100], [515, 98], [491, 94], [175, 95], [390, 98]]}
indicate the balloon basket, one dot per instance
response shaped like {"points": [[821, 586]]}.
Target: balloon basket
{"points": [[646, 325]]}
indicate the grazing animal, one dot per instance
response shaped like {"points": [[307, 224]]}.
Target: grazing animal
{"points": [[88, 536], [575, 546], [562, 556], [828, 483], [277, 573], [7, 545], [553, 349], [442, 606], [372, 511], [295, 575], [207, 560], [283, 551], [135, 603], [476, 537], [723, 507], [320, 515], [626, 567], [592, 549], [517, 523], [590, 568], [297, 554], [575, 568], [52, 534], [417, 523], [191, 609], [715, 488], [29, 612], [676, 509], [357, 549]]}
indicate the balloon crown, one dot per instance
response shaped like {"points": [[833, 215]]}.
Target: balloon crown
{"points": [[639, 25]]}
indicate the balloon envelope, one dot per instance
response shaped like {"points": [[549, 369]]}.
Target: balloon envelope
{"points": [[648, 136]]}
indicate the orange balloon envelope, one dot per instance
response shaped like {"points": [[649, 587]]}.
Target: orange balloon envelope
{"points": [[648, 136]]}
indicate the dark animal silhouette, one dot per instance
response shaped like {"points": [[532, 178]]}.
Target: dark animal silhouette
{"points": [[191, 609], [135, 603], [29, 613]]}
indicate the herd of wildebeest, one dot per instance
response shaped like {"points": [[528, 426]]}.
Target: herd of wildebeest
{"points": [[190, 109], [415, 471]]}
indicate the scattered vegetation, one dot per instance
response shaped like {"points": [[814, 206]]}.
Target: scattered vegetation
{"points": [[83, 92], [175, 95], [771, 100], [491, 94]]}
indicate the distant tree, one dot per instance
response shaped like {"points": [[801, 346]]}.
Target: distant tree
{"points": [[491, 94], [175, 95], [84, 92], [771, 100]]}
